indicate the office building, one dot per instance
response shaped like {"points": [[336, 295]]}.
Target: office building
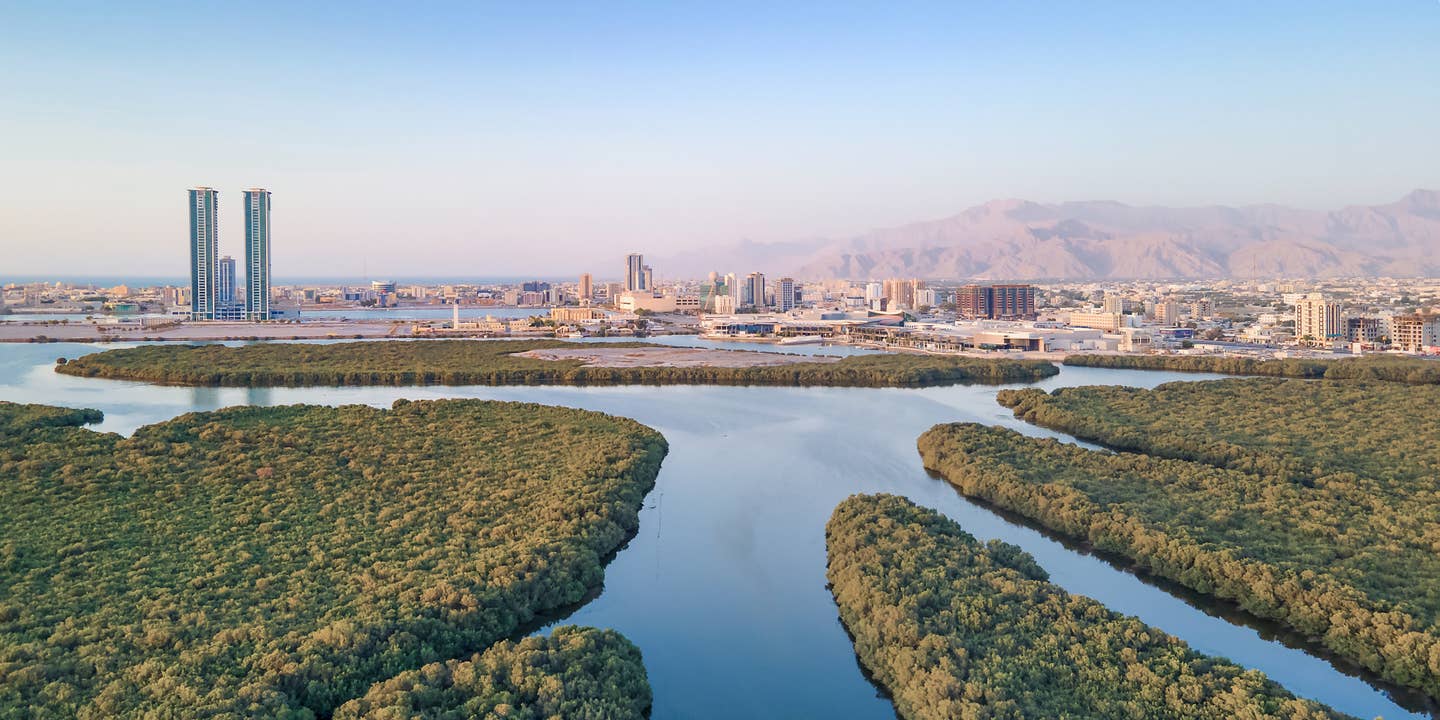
{"points": [[257, 255], [204, 243], [586, 288], [635, 272], [1318, 319], [754, 292], [226, 305], [787, 294], [649, 276]]}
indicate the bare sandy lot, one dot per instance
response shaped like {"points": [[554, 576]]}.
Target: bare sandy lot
{"points": [[672, 357]]}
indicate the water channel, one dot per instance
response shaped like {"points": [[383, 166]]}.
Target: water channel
{"points": [[723, 589]]}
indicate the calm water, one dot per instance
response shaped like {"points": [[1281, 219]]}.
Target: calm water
{"points": [[724, 587]]}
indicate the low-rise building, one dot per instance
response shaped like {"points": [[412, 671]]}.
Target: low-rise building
{"points": [[1110, 321], [637, 301]]}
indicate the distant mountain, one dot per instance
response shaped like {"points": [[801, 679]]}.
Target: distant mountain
{"points": [[1021, 240]]}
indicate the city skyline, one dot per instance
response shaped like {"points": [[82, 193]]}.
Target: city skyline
{"points": [[705, 128], [213, 277], [691, 361]]}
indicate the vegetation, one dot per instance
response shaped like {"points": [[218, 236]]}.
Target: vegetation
{"points": [[1310, 503], [1412, 370], [279, 561], [575, 673], [17, 419], [958, 629], [494, 362]]}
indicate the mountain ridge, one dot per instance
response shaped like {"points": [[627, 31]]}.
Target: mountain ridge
{"points": [[1016, 239]]}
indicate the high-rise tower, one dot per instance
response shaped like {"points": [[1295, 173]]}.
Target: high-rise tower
{"points": [[786, 297], [225, 305], [635, 272], [204, 240], [755, 289], [257, 254]]}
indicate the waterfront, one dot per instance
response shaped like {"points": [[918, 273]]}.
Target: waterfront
{"points": [[723, 588]]}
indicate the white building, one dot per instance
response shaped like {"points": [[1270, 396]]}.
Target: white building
{"points": [[1318, 319]]}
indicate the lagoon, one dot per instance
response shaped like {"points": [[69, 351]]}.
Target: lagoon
{"points": [[723, 589]]}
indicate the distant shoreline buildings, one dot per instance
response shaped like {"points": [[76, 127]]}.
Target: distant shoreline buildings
{"points": [[213, 278]]}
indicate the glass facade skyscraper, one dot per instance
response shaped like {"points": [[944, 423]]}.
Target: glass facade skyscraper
{"points": [[204, 241], [635, 272], [257, 254], [226, 307]]}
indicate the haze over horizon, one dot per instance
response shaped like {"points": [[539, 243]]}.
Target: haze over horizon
{"points": [[418, 142]]}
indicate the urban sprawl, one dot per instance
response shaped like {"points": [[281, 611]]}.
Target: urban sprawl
{"points": [[1269, 318]]}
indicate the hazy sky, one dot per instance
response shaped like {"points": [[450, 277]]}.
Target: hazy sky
{"points": [[547, 138]]}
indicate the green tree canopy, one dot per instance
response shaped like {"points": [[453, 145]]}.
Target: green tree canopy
{"points": [[1313, 503], [575, 674], [277, 561], [954, 628], [495, 362]]}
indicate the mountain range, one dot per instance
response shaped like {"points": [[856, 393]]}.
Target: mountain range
{"points": [[1022, 240]]}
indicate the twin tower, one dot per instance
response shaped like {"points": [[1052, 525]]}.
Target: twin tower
{"points": [[212, 278]]}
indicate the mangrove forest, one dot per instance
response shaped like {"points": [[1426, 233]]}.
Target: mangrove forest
{"points": [[574, 673], [496, 362], [1312, 503], [280, 561], [955, 628], [1411, 370]]}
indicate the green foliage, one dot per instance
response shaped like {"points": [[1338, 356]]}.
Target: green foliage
{"points": [[956, 629], [17, 419], [278, 561], [1312, 503], [1414, 371], [575, 674], [494, 362]]}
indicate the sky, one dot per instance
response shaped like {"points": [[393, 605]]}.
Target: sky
{"points": [[434, 138]]}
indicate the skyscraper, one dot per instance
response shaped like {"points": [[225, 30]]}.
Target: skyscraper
{"points": [[257, 254], [204, 240], [225, 306], [586, 288], [755, 289], [635, 272], [785, 295]]}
